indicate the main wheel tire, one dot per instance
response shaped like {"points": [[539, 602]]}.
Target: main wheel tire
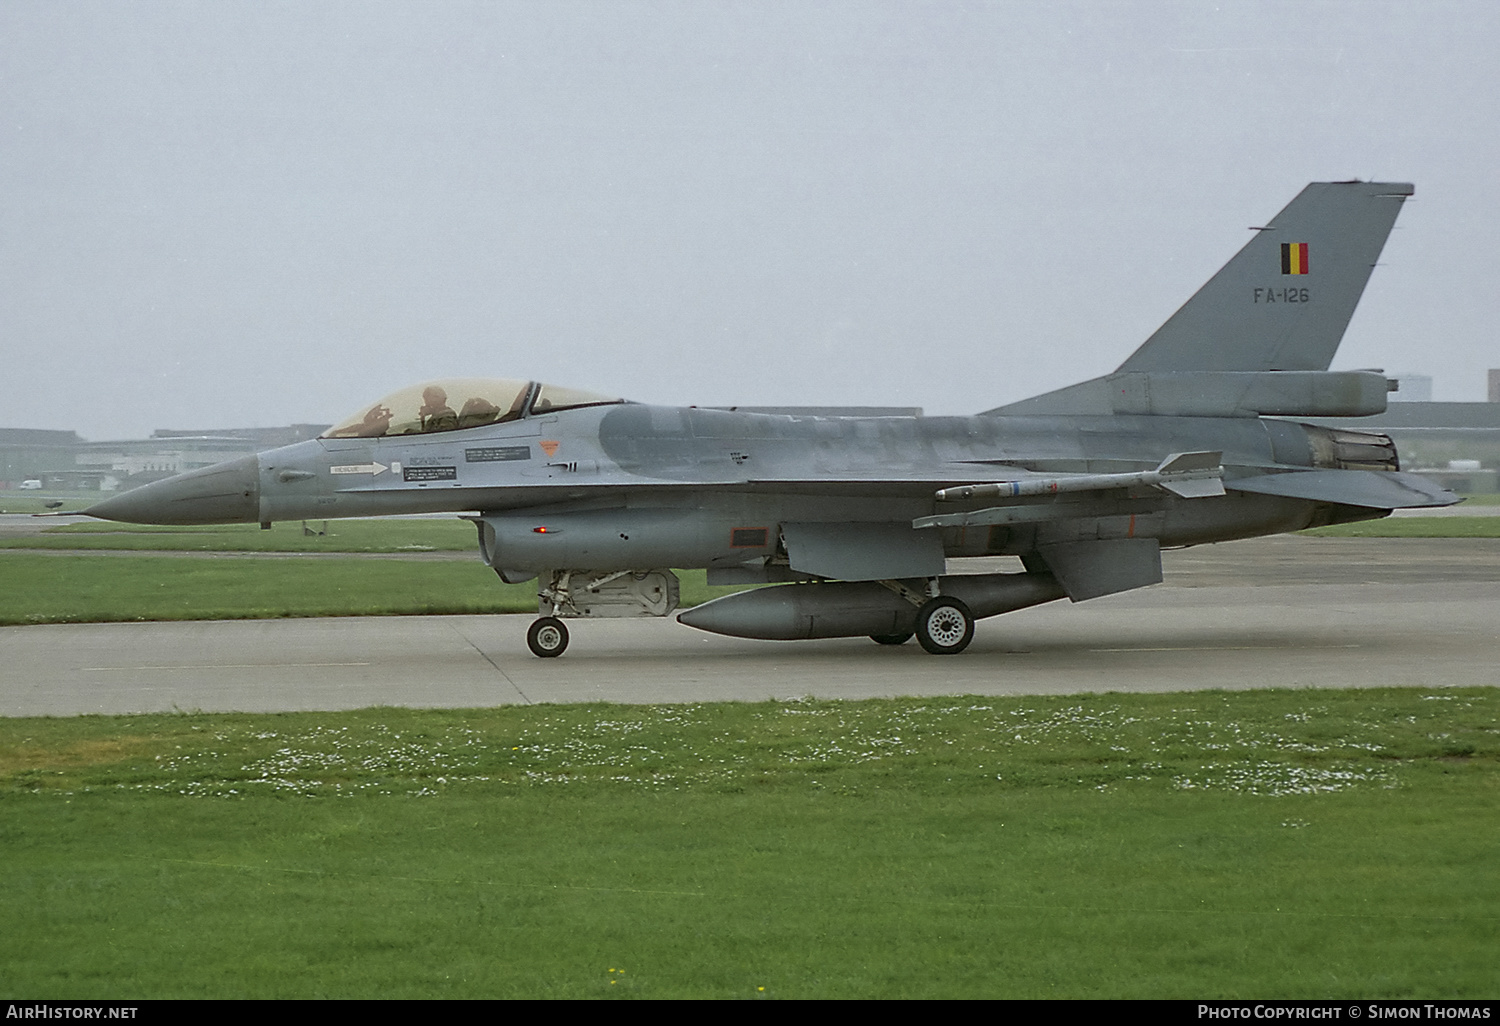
{"points": [[945, 626], [548, 637], [891, 639]]}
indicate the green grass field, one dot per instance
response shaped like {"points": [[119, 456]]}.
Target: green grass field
{"points": [[1482, 499], [93, 589], [52, 589], [14, 500], [1268, 844], [1415, 527], [1297, 844], [454, 535], [424, 535]]}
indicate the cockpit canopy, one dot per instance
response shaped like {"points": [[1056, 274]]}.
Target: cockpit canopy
{"points": [[454, 403]]}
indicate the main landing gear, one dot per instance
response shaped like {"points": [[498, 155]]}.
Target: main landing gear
{"points": [[944, 626], [547, 637]]}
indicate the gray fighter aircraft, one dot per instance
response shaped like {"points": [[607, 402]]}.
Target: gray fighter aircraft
{"points": [[1187, 442]]}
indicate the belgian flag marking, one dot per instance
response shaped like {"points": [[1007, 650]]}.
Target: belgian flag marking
{"points": [[1294, 258]]}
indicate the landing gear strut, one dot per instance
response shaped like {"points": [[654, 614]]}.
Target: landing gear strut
{"points": [[944, 626], [547, 637]]}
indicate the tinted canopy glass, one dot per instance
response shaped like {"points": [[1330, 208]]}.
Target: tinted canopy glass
{"points": [[550, 398], [453, 403], [445, 405]]}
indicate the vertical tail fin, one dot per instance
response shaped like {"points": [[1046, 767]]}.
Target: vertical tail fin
{"points": [[1284, 301]]}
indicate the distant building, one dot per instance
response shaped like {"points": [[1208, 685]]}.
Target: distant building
{"points": [[1495, 385], [264, 438], [1478, 420], [130, 462], [1432, 437], [1415, 388], [34, 454], [62, 461]]}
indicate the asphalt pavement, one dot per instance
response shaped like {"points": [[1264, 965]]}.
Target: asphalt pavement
{"points": [[1288, 611]]}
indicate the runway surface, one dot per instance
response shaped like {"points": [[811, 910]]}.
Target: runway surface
{"points": [[1286, 611]]}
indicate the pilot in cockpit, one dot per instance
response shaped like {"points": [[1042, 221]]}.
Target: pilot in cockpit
{"points": [[436, 414]]}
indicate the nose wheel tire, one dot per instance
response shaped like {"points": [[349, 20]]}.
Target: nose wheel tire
{"points": [[944, 626], [547, 637], [891, 639]]}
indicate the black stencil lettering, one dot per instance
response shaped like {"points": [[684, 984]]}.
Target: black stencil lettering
{"points": [[497, 454]]}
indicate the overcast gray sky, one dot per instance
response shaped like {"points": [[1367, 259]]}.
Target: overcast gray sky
{"points": [[232, 214]]}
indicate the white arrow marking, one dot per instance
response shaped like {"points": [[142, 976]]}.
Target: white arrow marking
{"points": [[359, 468]]}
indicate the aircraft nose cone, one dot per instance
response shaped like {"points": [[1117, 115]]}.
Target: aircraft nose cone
{"points": [[226, 493]]}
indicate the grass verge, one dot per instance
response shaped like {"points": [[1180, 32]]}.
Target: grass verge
{"points": [[1415, 527], [396, 536], [425, 535], [1293, 844], [14, 500], [92, 589]]}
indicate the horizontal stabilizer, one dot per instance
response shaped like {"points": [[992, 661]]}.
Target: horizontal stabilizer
{"points": [[1376, 489]]}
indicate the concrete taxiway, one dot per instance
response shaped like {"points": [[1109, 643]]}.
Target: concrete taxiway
{"points": [[1288, 612]]}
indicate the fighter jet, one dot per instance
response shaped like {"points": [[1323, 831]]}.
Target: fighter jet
{"points": [[1193, 439]]}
